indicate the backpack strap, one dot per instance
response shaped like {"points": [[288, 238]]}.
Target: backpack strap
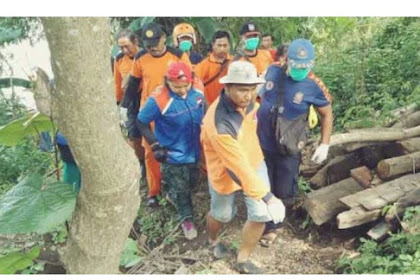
{"points": [[222, 67]]}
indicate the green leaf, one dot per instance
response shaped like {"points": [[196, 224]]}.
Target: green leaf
{"points": [[17, 82], [8, 35], [138, 23], [12, 133], [16, 261], [31, 206], [207, 27], [129, 256]]}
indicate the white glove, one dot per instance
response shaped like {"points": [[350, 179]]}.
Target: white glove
{"points": [[123, 116], [276, 210], [321, 153]]}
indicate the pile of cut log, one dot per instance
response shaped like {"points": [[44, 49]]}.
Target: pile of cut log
{"points": [[367, 170]]}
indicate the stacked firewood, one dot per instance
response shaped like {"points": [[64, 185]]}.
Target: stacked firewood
{"points": [[368, 171]]}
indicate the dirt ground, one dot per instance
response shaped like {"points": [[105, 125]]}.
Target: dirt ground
{"points": [[298, 250]]}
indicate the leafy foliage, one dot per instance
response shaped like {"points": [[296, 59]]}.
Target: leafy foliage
{"points": [[10, 82], [129, 256], [158, 224], [12, 133], [17, 261], [399, 254], [45, 206]]}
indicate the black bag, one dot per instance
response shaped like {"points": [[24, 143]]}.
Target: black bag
{"points": [[291, 135]]}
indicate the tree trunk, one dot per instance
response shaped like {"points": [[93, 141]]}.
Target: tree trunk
{"points": [[393, 167], [85, 111], [324, 204], [385, 134]]}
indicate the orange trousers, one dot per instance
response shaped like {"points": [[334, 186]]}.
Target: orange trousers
{"points": [[153, 175]]}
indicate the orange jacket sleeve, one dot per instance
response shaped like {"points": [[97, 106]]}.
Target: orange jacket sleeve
{"points": [[117, 82]]}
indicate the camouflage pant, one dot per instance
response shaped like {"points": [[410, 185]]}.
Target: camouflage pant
{"points": [[181, 179]]}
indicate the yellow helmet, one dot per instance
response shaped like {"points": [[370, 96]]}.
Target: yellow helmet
{"points": [[183, 29]]}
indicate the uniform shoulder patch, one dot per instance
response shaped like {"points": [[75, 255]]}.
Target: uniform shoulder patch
{"points": [[140, 54], [321, 85], [119, 56], [175, 51]]}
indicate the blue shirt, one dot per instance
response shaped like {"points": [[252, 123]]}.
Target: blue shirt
{"points": [[177, 123], [298, 97]]}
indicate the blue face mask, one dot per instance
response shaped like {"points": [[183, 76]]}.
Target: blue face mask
{"points": [[185, 46], [299, 74], [251, 44]]}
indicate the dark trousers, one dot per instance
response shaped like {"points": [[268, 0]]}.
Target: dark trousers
{"points": [[283, 172], [181, 179]]}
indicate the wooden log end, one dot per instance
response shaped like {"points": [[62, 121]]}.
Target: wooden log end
{"points": [[383, 170]]}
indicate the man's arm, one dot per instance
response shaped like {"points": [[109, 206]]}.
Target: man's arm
{"points": [[326, 123], [234, 160]]}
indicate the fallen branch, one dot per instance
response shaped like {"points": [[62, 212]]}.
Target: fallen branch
{"points": [[385, 134]]}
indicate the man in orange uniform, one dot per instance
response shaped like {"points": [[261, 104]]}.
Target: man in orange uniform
{"points": [[129, 45], [267, 44], [184, 39], [251, 40], [215, 65], [235, 164], [148, 72]]}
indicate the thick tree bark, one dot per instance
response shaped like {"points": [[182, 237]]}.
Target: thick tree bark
{"points": [[324, 204], [385, 134], [393, 167], [86, 114]]}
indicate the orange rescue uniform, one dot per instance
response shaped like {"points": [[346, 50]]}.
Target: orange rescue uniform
{"points": [[151, 71], [122, 68], [206, 70], [232, 149]]}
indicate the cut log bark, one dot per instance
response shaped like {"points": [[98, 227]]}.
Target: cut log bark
{"points": [[384, 194], [411, 120], [380, 230], [362, 175], [411, 145], [392, 167], [412, 198], [404, 111], [356, 217], [324, 204], [385, 134], [336, 170], [350, 147], [308, 171]]}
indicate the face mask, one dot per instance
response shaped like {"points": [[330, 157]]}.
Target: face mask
{"points": [[251, 44], [299, 74], [185, 46]]}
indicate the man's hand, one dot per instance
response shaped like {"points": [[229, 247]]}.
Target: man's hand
{"points": [[160, 153], [276, 209], [321, 153]]}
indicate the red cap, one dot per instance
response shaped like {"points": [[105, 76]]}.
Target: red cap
{"points": [[179, 72]]}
